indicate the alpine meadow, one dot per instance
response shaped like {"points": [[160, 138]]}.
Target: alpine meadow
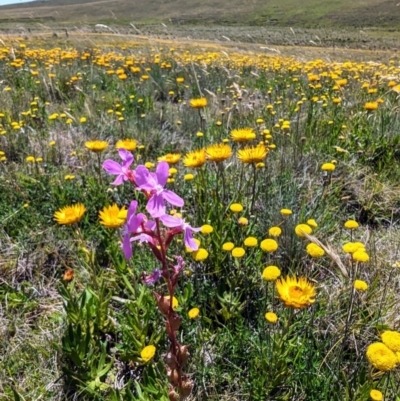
{"points": [[200, 201]]}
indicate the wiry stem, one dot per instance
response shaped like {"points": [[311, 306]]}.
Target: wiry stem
{"points": [[253, 191]]}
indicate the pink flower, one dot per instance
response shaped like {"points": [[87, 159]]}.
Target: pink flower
{"points": [[179, 223], [154, 183], [122, 171], [136, 224]]}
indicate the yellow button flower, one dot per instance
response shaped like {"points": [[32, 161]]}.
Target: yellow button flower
{"points": [[300, 229], [238, 252], [147, 353], [271, 317], [269, 245], [360, 285], [236, 207], [275, 231], [271, 273], [206, 229], [194, 313], [228, 246], [250, 241]]}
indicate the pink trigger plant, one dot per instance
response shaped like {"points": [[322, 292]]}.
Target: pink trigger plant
{"points": [[158, 231]]}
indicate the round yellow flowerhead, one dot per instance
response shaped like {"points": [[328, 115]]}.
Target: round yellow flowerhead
{"points": [[300, 229], [96, 146], [286, 212], [360, 285], [243, 221], [371, 106], [112, 216], [250, 242], [228, 246], [381, 357], [195, 159], [219, 152], [30, 159], [275, 231], [170, 158], [271, 273], [200, 255], [128, 144], [147, 353], [199, 103], [243, 135], [269, 245], [194, 313], [188, 177], [271, 317], [236, 207], [70, 214], [376, 395], [252, 154], [360, 256], [297, 293], [206, 229], [351, 247], [315, 251], [312, 223], [351, 224], [391, 339], [328, 167], [238, 252]]}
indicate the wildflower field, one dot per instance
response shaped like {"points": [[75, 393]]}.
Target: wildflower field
{"points": [[189, 221]]}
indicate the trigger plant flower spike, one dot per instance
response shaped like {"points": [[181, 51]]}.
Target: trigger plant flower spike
{"points": [[154, 184], [158, 235]]}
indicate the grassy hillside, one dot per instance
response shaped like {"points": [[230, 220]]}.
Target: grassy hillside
{"points": [[308, 13]]}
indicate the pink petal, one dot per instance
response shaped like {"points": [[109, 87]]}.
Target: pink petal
{"points": [[126, 156], [172, 198], [162, 173], [156, 206], [171, 221], [189, 240], [112, 167], [142, 178]]}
